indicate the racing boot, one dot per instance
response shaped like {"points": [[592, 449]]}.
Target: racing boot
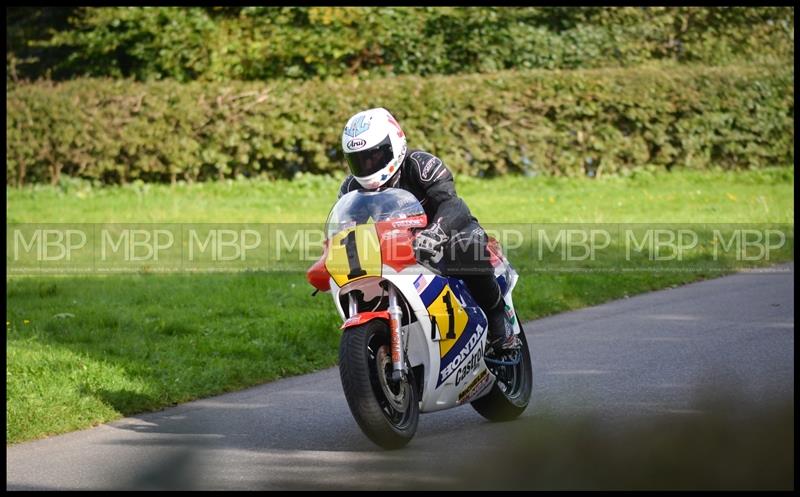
{"points": [[501, 333]]}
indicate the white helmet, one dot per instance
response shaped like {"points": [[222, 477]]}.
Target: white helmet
{"points": [[374, 147]]}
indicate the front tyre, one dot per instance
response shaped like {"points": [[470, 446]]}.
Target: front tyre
{"points": [[511, 392], [387, 413]]}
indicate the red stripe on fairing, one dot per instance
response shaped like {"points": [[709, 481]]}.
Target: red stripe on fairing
{"points": [[396, 239], [364, 317]]}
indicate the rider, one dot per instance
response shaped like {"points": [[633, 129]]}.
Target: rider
{"points": [[374, 146]]}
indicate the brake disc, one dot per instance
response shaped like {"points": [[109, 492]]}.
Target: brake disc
{"points": [[398, 400]]}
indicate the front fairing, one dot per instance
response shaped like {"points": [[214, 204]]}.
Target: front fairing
{"points": [[369, 230]]}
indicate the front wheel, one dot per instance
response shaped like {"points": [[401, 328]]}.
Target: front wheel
{"points": [[511, 392], [386, 412]]}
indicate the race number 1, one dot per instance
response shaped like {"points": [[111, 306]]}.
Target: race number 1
{"points": [[354, 253], [446, 308], [349, 243]]}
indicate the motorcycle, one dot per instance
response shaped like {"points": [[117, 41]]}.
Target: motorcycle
{"points": [[413, 340]]}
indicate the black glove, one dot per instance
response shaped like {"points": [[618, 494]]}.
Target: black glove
{"points": [[428, 243]]}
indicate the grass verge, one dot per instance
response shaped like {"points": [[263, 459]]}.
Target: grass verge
{"points": [[83, 350]]}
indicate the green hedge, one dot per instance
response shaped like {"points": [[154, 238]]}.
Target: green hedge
{"points": [[533, 122], [258, 43]]}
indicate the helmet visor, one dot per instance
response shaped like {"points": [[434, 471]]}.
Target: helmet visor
{"points": [[370, 161]]}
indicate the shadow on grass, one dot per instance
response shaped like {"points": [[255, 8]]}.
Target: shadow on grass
{"points": [[124, 401]]}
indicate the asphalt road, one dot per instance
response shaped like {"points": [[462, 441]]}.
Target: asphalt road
{"points": [[628, 360]]}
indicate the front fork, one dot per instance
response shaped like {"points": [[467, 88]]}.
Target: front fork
{"points": [[395, 318]]}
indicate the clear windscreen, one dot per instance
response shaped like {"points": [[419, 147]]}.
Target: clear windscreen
{"points": [[361, 207]]}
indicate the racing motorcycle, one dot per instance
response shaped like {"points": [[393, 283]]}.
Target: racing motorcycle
{"points": [[413, 339]]}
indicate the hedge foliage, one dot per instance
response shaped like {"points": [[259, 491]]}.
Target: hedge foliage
{"points": [[258, 43], [530, 122]]}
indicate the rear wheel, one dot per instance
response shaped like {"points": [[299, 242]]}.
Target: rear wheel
{"points": [[386, 412], [511, 392]]}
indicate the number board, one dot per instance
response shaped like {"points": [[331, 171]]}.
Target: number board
{"points": [[451, 319], [354, 253]]}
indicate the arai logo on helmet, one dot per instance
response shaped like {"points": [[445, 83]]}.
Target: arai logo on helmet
{"points": [[356, 144]]}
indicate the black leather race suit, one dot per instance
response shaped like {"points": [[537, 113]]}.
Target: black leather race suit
{"points": [[465, 253]]}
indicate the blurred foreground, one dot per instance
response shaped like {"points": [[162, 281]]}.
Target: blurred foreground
{"points": [[715, 447]]}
